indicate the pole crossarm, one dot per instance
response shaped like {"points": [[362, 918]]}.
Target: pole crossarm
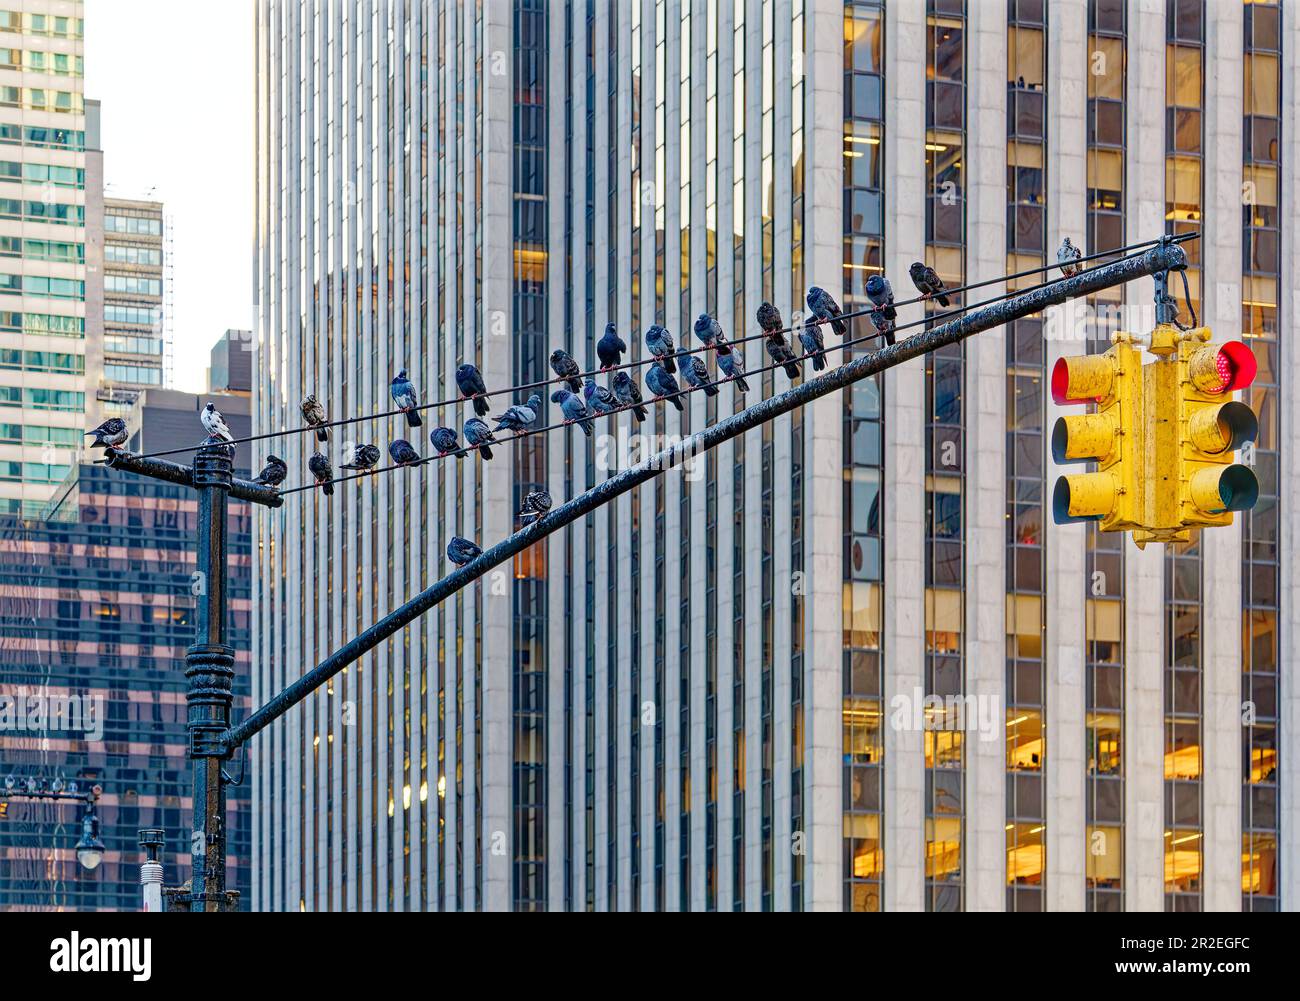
{"points": [[1159, 259], [174, 472]]}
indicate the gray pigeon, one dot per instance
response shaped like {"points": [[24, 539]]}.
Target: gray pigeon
{"points": [[881, 294], [628, 395], [696, 372], [462, 551], [827, 310], [314, 414], [470, 383], [660, 344], [521, 416], [574, 411], [566, 368], [215, 423], [536, 504], [110, 434], [709, 331], [1068, 258], [478, 435], [273, 473], [810, 336], [403, 394], [610, 348], [402, 453], [732, 365], [769, 318], [663, 385], [883, 326], [928, 282], [600, 401], [361, 458], [323, 472], [445, 440]]}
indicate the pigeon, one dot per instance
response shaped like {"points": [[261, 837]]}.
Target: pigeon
{"points": [[320, 468], [446, 441], [769, 318], [361, 458], [110, 434], [215, 423], [696, 372], [273, 473], [461, 551], [780, 352], [883, 326], [663, 385], [402, 452], [314, 414], [660, 343], [403, 394], [572, 408], [628, 395], [733, 367], [477, 434], [928, 282], [610, 348], [827, 310], [600, 401], [709, 331], [536, 504], [1068, 258], [471, 385], [521, 416], [810, 336], [566, 368], [881, 294]]}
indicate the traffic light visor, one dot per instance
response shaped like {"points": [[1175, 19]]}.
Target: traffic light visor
{"points": [[1222, 368], [1078, 438], [1224, 488], [1085, 497], [1223, 428], [1083, 378]]}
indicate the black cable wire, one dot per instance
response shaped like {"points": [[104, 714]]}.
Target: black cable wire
{"points": [[513, 390], [468, 450]]}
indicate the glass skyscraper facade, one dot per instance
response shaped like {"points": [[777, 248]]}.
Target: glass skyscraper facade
{"points": [[42, 249], [847, 661], [96, 612]]}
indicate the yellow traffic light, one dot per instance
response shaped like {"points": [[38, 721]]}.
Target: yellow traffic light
{"points": [[1111, 437], [1211, 428]]}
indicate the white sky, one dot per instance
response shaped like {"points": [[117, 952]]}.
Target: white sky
{"points": [[176, 82]]}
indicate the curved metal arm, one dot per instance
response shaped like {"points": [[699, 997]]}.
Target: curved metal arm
{"points": [[1161, 258]]}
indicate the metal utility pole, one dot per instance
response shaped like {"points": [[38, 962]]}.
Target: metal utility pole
{"points": [[209, 663]]}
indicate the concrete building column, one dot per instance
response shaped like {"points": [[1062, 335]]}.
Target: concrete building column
{"points": [[823, 473], [1221, 547], [904, 489], [1144, 619], [985, 462], [1064, 333]]}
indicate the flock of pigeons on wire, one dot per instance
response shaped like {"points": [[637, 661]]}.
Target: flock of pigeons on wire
{"points": [[581, 402]]}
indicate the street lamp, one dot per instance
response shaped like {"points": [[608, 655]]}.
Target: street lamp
{"points": [[90, 849]]}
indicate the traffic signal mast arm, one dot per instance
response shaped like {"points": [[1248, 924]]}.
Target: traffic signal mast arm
{"points": [[1160, 258]]}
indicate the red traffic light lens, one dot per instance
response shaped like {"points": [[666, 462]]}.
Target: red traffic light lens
{"points": [[1236, 364]]}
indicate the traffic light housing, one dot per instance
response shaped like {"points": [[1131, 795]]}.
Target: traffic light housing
{"points": [[1212, 426], [1111, 436]]}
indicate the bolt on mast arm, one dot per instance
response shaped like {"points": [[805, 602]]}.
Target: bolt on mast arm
{"points": [[1160, 258]]}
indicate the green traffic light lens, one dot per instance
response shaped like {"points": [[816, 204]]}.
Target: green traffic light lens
{"points": [[1238, 488]]}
